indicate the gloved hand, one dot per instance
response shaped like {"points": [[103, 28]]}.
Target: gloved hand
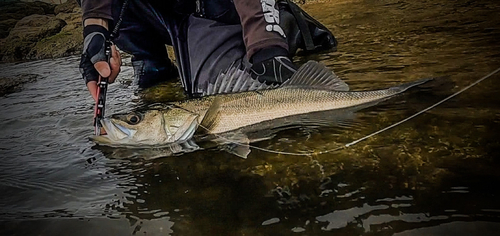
{"points": [[271, 66], [275, 70], [94, 61]]}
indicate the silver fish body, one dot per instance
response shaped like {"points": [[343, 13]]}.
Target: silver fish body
{"points": [[239, 110], [313, 88]]}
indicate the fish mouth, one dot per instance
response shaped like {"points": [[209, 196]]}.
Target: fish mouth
{"points": [[115, 133], [119, 136]]}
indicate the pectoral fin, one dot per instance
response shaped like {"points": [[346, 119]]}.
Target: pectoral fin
{"points": [[237, 144], [211, 117], [238, 150]]}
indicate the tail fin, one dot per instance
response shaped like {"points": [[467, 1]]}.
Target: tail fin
{"points": [[403, 87]]}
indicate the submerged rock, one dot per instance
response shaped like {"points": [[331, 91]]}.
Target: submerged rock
{"points": [[11, 85]]}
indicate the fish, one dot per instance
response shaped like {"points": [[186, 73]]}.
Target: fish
{"points": [[313, 88]]}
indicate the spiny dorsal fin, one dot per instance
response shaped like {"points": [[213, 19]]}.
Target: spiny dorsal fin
{"points": [[315, 75], [210, 118], [234, 79]]}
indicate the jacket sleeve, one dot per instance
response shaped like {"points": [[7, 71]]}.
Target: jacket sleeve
{"points": [[97, 9]]}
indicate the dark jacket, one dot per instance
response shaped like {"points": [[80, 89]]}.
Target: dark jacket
{"points": [[97, 9], [106, 10]]}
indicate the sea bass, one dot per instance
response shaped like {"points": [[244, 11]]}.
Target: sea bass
{"points": [[312, 88]]}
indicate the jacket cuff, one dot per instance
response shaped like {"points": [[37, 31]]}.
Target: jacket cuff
{"points": [[95, 28]]}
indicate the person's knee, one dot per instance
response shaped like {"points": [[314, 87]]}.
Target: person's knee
{"points": [[150, 72]]}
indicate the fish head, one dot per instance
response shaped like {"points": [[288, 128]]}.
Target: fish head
{"points": [[167, 125]]}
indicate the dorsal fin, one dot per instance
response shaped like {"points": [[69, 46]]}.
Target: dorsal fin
{"points": [[210, 118], [315, 75], [234, 79]]}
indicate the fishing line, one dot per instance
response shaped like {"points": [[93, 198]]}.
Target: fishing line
{"points": [[422, 111], [255, 147], [367, 136]]}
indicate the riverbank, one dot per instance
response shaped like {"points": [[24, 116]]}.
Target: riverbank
{"points": [[38, 30]]}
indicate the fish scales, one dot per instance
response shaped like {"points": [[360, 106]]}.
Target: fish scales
{"points": [[239, 110]]}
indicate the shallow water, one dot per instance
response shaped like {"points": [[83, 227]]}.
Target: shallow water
{"points": [[436, 174]]}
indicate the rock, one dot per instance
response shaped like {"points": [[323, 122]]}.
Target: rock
{"points": [[2, 45], [18, 10], [12, 11], [11, 85], [6, 26], [63, 44], [39, 34], [48, 8], [67, 42], [72, 19], [67, 7], [18, 16], [27, 32]]}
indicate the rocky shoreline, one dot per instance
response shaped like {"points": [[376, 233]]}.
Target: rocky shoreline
{"points": [[38, 30]]}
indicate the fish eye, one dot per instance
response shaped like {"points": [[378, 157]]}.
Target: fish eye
{"points": [[133, 119]]}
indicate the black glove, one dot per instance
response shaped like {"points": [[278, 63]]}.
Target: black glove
{"points": [[271, 67], [273, 71], [94, 50]]}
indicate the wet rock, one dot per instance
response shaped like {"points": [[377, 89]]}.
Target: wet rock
{"points": [[67, 42], [18, 10], [6, 26], [72, 20], [11, 85], [27, 32], [68, 7], [48, 6], [13, 11], [2, 43]]}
